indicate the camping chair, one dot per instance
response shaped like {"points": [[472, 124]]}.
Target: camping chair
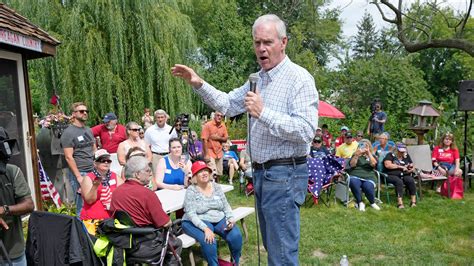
{"points": [[345, 196], [322, 173], [421, 157]]}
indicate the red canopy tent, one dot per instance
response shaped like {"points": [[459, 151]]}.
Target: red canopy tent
{"points": [[327, 110]]}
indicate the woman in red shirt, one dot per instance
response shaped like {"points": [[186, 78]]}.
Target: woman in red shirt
{"points": [[97, 188], [445, 156]]}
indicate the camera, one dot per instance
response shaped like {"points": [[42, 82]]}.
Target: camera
{"points": [[181, 124], [373, 105], [362, 145]]}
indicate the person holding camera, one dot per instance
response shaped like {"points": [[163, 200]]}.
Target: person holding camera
{"points": [[399, 169], [15, 201], [97, 188], [362, 175], [377, 119], [208, 213]]}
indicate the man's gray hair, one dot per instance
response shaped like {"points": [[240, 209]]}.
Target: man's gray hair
{"points": [[161, 112], [134, 165], [271, 18]]}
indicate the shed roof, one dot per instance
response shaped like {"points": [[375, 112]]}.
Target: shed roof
{"points": [[18, 26]]}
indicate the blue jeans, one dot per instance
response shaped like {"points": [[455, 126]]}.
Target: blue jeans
{"points": [[75, 187], [20, 261], [209, 251], [279, 192], [367, 187]]}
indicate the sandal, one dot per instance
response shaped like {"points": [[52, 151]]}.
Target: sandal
{"points": [[412, 204], [400, 206]]}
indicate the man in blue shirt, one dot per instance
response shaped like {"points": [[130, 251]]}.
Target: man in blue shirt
{"points": [[284, 119]]}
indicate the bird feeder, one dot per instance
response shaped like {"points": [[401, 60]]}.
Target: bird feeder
{"points": [[422, 119]]}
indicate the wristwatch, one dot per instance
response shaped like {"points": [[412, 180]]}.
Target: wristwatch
{"points": [[6, 210]]}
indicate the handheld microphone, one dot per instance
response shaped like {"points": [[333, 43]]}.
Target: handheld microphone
{"points": [[253, 79]]}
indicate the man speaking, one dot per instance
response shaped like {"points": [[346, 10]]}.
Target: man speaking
{"points": [[284, 113]]}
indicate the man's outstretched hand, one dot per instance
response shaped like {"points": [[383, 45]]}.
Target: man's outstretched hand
{"points": [[188, 74]]}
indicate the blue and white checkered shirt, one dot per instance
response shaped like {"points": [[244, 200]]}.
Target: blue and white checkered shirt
{"points": [[290, 115]]}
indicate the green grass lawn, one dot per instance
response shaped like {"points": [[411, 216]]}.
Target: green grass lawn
{"points": [[436, 232]]}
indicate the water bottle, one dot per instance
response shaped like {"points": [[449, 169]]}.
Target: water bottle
{"points": [[241, 177], [344, 261]]}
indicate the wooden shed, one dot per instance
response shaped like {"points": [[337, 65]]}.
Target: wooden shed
{"points": [[21, 41]]}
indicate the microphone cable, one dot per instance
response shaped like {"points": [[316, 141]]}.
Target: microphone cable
{"points": [[253, 79]]}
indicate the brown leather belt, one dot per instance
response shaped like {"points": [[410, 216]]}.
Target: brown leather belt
{"points": [[284, 161]]}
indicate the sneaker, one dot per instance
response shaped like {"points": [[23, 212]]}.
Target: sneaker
{"points": [[375, 206], [362, 207], [230, 182]]}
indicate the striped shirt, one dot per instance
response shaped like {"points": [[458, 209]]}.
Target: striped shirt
{"points": [[290, 115]]}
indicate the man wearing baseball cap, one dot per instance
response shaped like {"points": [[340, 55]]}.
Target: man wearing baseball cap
{"points": [[399, 169], [348, 147], [342, 136], [110, 133]]}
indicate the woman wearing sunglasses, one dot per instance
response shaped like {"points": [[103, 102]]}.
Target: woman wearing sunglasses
{"points": [[97, 188], [134, 140]]}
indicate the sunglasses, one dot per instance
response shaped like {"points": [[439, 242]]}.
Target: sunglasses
{"points": [[134, 129], [105, 161], [317, 141], [83, 111], [360, 136]]}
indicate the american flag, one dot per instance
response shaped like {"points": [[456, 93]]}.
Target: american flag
{"points": [[321, 170], [48, 191]]}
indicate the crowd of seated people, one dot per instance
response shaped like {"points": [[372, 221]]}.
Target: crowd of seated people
{"points": [[174, 171], [391, 159]]}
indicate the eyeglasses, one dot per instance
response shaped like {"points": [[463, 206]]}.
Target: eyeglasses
{"points": [[82, 111], [134, 129], [148, 170], [105, 161]]}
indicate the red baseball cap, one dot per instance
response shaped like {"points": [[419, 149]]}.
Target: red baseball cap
{"points": [[198, 166]]}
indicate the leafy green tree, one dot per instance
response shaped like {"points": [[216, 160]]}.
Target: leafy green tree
{"points": [[115, 55], [365, 41], [393, 80]]}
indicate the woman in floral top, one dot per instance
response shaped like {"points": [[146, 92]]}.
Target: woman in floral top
{"points": [[207, 213]]}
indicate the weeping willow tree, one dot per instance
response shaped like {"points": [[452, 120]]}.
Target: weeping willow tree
{"points": [[115, 55]]}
